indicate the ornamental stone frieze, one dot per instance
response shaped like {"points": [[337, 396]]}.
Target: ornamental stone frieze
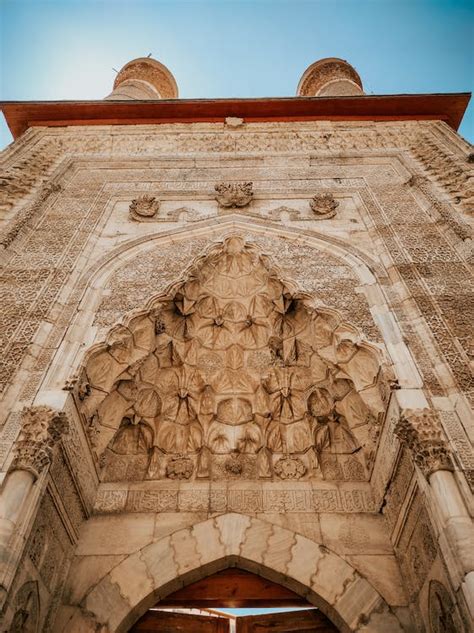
{"points": [[234, 194], [41, 429], [420, 430]]}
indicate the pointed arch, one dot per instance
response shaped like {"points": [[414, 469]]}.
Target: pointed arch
{"points": [[309, 569]]}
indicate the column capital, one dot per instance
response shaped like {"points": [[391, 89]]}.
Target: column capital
{"points": [[421, 431], [41, 429]]}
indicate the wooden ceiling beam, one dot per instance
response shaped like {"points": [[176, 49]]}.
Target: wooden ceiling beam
{"points": [[233, 588]]}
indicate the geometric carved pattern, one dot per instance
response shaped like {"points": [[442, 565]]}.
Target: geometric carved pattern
{"points": [[233, 374]]}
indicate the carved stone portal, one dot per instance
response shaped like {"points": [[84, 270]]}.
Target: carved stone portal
{"points": [[231, 374]]}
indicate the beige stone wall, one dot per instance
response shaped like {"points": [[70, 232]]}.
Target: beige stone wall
{"points": [[393, 261]]}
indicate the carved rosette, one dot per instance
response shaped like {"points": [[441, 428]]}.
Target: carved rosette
{"points": [[179, 468], [420, 430], [323, 206], [289, 468], [41, 429], [233, 465], [144, 207], [234, 194]]}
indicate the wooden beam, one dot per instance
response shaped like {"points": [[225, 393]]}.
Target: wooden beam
{"points": [[169, 622], [307, 621], [233, 588]]}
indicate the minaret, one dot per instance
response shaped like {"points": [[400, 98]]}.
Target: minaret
{"points": [[330, 77], [144, 78]]}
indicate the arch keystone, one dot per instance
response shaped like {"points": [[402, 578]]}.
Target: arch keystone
{"points": [[233, 529]]}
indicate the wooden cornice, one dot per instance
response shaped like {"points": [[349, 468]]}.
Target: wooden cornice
{"points": [[21, 115]]}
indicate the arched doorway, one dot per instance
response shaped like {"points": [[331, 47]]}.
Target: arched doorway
{"points": [[117, 600], [233, 376], [198, 608]]}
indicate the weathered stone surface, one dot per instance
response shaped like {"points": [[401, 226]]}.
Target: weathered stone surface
{"points": [[115, 534]]}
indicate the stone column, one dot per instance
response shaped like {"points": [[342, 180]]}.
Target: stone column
{"points": [[143, 79], [421, 431], [41, 429], [330, 77]]}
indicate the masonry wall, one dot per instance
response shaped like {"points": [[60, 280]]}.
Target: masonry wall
{"points": [[393, 262]]}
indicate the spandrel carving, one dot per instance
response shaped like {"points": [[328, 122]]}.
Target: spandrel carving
{"points": [[242, 378]]}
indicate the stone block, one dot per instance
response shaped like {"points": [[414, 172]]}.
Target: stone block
{"points": [[233, 530], [117, 534], [331, 577], [355, 533], [383, 573], [160, 561], [278, 552], [358, 600], [133, 579], [107, 604], [255, 542], [209, 543], [304, 561], [85, 572], [168, 522], [185, 552]]}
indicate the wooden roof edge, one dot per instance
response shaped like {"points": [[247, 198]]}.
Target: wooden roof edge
{"points": [[449, 107]]}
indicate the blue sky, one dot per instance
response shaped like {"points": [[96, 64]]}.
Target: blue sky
{"points": [[67, 49]]}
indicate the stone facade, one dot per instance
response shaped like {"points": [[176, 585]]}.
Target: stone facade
{"points": [[243, 345]]}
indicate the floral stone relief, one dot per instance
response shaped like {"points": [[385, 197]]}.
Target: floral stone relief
{"points": [[233, 373], [234, 194], [144, 208], [323, 206]]}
